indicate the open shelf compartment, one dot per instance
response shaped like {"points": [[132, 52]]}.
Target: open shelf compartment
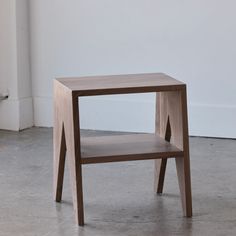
{"points": [[116, 148]]}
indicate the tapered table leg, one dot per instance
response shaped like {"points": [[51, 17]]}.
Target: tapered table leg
{"points": [[172, 124]]}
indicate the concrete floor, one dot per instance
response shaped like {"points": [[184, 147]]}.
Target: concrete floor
{"points": [[119, 197]]}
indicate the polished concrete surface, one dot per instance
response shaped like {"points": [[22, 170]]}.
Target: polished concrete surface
{"points": [[119, 197]]}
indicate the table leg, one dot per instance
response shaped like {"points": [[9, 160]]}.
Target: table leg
{"points": [[67, 142], [172, 110], [72, 134]]}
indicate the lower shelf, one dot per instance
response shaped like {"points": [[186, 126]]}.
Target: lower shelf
{"points": [[103, 149]]}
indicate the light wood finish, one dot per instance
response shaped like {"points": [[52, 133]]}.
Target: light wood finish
{"points": [[170, 140], [126, 148], [59, 144], [172, 123], [66, 115]]}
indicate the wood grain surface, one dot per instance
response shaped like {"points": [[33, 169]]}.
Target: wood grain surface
{"points": [[120, 84], [126, 148], [170, 139]]}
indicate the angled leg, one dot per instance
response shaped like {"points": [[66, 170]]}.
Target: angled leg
{"points": [[183, 164], [174, 106], [160, 164], [183, 171], [59, 164], [59, 146], [72, 134], [67, 141], [160, 170]]}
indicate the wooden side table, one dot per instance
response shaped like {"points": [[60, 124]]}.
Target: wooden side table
{"points": [[169, 141]]}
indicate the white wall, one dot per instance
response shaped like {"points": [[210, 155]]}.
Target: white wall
{"points": [[193, 41], [6, 45], [17, 111]]}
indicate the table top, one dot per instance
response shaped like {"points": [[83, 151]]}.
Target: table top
{"points": [[120, 84]]}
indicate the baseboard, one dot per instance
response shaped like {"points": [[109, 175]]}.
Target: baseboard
{"points": [[16, 114], [26, 113], [9, 118], [212, 120], [43, 112], [139, 116]]}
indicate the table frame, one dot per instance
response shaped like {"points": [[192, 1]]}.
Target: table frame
{"points": [[171, 127]]}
